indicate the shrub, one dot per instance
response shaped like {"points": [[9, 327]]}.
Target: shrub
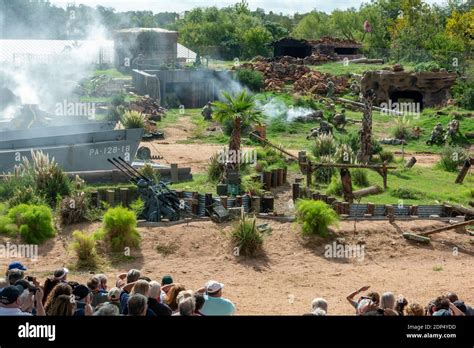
{"points": [[452, 157], [407, 193], [315, 217], [119, 229], [149, 172], [252, 186], [386, 156], [324, 174], [84, 247], [324, 145], [7, 226], [132, 119], [402, 129], [137, 206], [247, 237], [73, 209], [34, 222], [463, 92], [335, 187], [359, 177], [118, 100], [426, 66], [48, 178], [250, 78], [215, 168], [27, 195], [344, 154]]}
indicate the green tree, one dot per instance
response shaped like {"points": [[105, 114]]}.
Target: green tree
{"points": [[239, 109], [255, 42]]}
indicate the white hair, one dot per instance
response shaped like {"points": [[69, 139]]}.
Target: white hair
{"points": [[107, 310], [319, 312], [319, 303], [155, 289], [184, 294], [187, 306], [387, 300]]}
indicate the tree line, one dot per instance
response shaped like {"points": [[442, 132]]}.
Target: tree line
{"points": [[408, 28]]}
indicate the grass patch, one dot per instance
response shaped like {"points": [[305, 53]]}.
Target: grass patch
{"points": [[167, 249]]}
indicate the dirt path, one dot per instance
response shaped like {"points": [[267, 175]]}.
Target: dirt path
{"points": [[294, 270]]}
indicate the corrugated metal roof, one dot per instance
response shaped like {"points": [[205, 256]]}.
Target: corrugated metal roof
{"points": [[44, 50]]}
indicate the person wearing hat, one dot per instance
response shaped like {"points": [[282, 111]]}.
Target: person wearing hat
{"points": [[214, 303], [10, 301], [113, 297], [59, 276], [16, 265], [83, 298]]}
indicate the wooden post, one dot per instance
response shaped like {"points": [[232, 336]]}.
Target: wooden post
{"points": [[370, 209], [110, 197], [256, 204], [285, 174], [371, 190], [267, 180], [411, 162], [124, 196], [414, 210], [238, 201], [296, 191], [195, 203], [390, 212], [463, 172], [384, 175], [347, 185], [346, 208], [268, 203], [274, 182], [309, 174], [208, 202], [95, 199], [224, 201], [280, 176], [174, 172]]}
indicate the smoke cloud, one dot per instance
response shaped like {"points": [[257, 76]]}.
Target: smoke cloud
{"points": [[276, 108]]}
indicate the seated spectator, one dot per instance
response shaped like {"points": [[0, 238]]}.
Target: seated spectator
{"points": [[16, 265], [126, 281], [171, 296], [215, 304], [107, 310], [10, 302], [166, 283], [467, 310], [415, 310], [14, 275], [401, 304], [186, 306], [103, 282], [58, 276], [364, 302], [62, 306], [137, 305], [59, 289], [83, 298], [199, 300], [98, 296], [141, 287], [319, 306], [160, 309], [113, 297], [386, 307]]}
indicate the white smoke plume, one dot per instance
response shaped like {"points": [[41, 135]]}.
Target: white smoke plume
{"points": [[276, 108]]}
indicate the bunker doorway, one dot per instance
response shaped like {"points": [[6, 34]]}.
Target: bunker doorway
{"points": [[414, 98]]}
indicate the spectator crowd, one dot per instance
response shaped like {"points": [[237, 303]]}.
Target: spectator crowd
{"points": [[136, 295]]}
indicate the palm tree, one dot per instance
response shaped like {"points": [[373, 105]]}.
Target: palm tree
{"points": [[240, 110]]}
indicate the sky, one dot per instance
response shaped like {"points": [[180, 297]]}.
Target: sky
{"points": [[285, 6]]}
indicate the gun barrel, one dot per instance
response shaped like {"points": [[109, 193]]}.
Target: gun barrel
{"points": [[127, 174]]}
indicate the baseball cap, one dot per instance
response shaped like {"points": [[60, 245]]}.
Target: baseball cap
{"points": [[10, 294], [114, 294], [167, 279], [80, 292], [213, 286], [17, 265], [60, 273]]}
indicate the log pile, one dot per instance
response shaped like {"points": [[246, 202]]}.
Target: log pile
{"points": [[149, 107], [280, 71]]}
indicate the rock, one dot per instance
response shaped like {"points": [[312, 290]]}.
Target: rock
{"points": [[397, 67]]}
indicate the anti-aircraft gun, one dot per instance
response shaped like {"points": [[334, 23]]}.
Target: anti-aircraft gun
{"points": [[160, 202]]}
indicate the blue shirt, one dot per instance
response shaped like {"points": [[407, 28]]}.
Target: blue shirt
{"points": [[217, 306]]}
